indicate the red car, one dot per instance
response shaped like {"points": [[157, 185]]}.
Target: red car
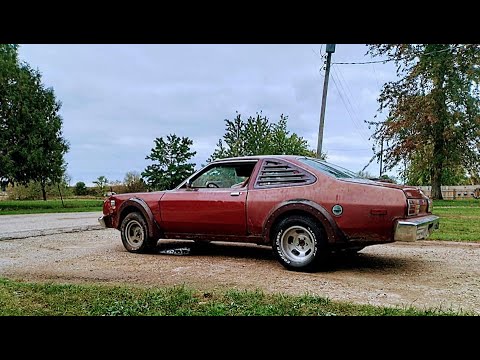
{"points": [[303, 207]]}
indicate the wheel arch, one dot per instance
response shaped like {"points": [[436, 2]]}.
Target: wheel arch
{"points": [[139, 205], [306, 208]]}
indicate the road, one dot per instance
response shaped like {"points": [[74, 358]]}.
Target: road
{"points": [[23, 226]]}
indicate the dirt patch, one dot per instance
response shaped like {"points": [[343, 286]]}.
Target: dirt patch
{"points": [[426, 274]]}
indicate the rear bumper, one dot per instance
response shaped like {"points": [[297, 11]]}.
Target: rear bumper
{"points": [[415, 229]]}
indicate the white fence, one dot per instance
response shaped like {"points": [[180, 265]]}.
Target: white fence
{"points": [[455, 191]]}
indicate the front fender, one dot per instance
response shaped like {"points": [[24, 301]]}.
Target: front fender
{"points": [[334, 234], [142, 207]]}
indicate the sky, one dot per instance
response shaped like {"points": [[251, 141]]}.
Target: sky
{"points": [[117, 98]]}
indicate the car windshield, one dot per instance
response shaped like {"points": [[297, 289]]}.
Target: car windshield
{"points": [[330, 169]]}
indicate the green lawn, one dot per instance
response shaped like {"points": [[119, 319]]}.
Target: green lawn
{"points": [[13, 207], [455, 203], [459, 220], [25, 299]]}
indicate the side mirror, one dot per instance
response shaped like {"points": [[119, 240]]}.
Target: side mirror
{"points": [[188, 184]]}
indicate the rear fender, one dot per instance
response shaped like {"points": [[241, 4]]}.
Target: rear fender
{"points": [[334, 234]]}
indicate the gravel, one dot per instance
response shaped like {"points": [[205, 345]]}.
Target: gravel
{"points": [[425, 274]]}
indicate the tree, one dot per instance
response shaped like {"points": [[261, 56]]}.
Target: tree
{"points": [[418, 172], [80, 189], [133, 182], [433, 121], [101, 183], [8, 73], [365, 174], [257, 136], [173, 167], [32, 147]]}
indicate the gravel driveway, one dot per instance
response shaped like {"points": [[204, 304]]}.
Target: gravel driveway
{"points": [[429, 274]]}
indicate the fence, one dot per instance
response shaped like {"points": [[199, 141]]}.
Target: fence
{"points": [[454, 192]]}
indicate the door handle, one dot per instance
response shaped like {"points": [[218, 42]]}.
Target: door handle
{"points": [[236, 193]]}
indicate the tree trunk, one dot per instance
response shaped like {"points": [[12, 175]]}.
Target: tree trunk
{"points": [[44, 192], [439, 145], [436, 173], [61, 197], [436, 184]]}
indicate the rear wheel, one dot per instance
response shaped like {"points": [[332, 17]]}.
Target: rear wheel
{"points": [[134, 233], [299, 243]]}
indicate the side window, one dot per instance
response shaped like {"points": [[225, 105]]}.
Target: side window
{"points": [[278, 173], [224, 176]]}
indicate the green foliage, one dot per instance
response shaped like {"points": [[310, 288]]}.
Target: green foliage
{"points": [[101, 183], [134, 183], [27, 299], [418, 173], [365, 174], [31, 142], [257, 136], [10, 207], [172, 167], [34, 191], [433, 121], [80, 189]]}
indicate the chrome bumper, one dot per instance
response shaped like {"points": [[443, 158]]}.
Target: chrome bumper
{"points": [[415, 229], [102, 221]]}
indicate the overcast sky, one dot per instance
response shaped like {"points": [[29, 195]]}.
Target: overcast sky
{"points": [[118, 98]]}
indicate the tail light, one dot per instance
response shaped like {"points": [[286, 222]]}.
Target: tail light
{"points": [[429, 202], [430, 205], [413, 207]]}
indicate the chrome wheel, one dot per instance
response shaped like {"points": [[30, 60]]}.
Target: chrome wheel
{"points": [[298, 244], [134, 234]]}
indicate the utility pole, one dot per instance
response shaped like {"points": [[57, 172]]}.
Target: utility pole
{"points": [[381, 158], [330, 50]]}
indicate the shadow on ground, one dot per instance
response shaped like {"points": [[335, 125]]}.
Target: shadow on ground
{"points": [[336, 262]]}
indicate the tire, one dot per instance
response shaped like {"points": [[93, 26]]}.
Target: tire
{"points": [[134, 233], [299, 243]]}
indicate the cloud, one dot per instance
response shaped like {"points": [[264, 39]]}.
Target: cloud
{"points": [[118, 98]]}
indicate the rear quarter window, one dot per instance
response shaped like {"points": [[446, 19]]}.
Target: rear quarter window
{"points": [[278, 173]]}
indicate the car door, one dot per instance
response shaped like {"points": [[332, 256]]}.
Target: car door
{"points": [[214, 203]]}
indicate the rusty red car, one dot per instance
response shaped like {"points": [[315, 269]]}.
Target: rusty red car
{"points": [[303, 207]]}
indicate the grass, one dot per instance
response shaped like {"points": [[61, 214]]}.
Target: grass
{"points": [[26, 299], [456, 203], [13, 207], [459, 220]]}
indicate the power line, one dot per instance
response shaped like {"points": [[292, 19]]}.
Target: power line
{"points": [[342, 81], [360, 130], [348, 110], [393, 59], [364, 63], [349, 149], [376, 77]]}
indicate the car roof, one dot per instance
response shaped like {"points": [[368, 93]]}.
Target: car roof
{"points": [[258, 157]]}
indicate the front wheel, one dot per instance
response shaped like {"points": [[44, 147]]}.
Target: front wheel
{"points": [[299, 243], [134, 232]]}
